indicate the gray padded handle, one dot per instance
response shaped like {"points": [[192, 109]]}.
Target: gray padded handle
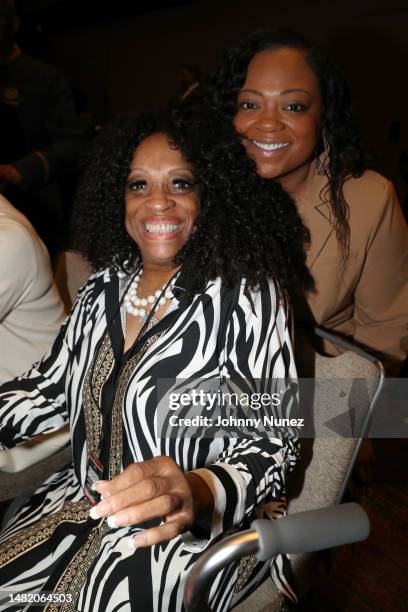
{"points": [[312, 530]]}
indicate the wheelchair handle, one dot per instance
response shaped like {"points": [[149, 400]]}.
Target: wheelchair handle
{"points": [[296, 533]]}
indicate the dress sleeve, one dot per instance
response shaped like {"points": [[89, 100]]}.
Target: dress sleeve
{"points": [[257, 358], [381, 297], [35, 403]]}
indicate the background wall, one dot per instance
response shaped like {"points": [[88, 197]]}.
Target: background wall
{"points": [[130, 63]]}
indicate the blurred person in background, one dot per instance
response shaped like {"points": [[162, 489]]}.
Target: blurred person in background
{"points": [[40, 134], [31, 310], [190, 89]]}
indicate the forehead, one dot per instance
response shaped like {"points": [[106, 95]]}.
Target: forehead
{"points": [[157, 150], [281, 69]]}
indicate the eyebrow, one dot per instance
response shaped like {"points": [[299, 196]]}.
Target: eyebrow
{"points": [[281, 93], [173, 170], [289, 91]]}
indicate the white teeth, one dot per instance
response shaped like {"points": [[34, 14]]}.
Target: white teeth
{"points": [[272, 146], [161, 228]]}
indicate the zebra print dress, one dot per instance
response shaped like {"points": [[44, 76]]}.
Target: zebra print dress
{"points": [[110, 401]]}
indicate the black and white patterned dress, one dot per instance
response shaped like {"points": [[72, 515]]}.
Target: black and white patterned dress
{"points": [[110, 401]]}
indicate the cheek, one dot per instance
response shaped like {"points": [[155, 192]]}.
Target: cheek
{"points": [[194, 209], [130, 218], [128, 226], [308, 133], [311, 142], [240, 123]]}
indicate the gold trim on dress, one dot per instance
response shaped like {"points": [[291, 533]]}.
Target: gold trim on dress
{"points": [[75, 575], [20, 542], [95, 378]]}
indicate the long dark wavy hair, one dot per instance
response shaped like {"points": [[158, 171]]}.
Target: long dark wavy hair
{"points": [[247, 226], [347, 155]]}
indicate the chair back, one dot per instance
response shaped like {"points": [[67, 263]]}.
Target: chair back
{"points": [[327, 459], [71, 272]]}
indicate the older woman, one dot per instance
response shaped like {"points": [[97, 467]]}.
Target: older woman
{"points": [[194, 256], [293, 112]]}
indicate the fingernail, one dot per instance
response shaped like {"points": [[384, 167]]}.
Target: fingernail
{"points": [[131, 543], [93, 513], [139, 540], [95, 485], [112, 522], [102, 509]]}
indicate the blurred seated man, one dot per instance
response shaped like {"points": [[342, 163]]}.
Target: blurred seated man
{"points": [[40, 135], [31, 310], [189, 87]]}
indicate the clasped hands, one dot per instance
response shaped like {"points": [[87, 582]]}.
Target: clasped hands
{"points": [[151, 489]]}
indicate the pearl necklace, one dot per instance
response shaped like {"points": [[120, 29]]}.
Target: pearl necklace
{"points": [[140, 307]]}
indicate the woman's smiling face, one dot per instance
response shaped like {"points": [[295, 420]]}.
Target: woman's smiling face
{"points": [[162, 200], [279, 113]]}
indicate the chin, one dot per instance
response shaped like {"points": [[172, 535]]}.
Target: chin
{"points": [[159, 259], [267, 172]]}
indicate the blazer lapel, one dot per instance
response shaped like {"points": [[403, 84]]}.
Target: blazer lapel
{"points": [[314, 208]]}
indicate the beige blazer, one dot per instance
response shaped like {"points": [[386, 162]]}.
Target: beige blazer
{"points": [[368, 300], [31, 310], [31, 313]]}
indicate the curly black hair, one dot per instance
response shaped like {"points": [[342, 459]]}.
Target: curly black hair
{"points": [[247, 226], [347, 154]]}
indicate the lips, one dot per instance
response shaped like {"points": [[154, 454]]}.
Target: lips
{"points": [[162, 228], [269, 147]]}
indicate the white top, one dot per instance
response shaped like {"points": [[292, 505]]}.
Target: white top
{"points": [[31, 310]]}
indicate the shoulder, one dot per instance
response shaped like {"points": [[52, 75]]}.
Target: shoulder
{"points": [[370, 189], [262, 302], [375, 212], [25, 269], [39, 76], [89, 305], [372, 203], [18, 240], [36, 67], [96, 285], [243, 299]]}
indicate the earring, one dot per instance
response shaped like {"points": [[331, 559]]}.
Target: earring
{"points": [[322, 162]]}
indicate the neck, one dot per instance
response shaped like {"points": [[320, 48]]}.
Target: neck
{"points": [[295, 181], [155, 276]]}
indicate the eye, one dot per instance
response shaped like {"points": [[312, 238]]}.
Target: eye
{"points": [[182, 185], [136, 185], [246, 105], [296, 107]]}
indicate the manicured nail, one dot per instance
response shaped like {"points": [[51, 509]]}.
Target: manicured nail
{"points": [[139, 540], [131, 543], [93, 513], [112, 522], [95, 485]]}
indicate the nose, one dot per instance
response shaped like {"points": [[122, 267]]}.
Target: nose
{"points": [[160, 200], [270, 120]]}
